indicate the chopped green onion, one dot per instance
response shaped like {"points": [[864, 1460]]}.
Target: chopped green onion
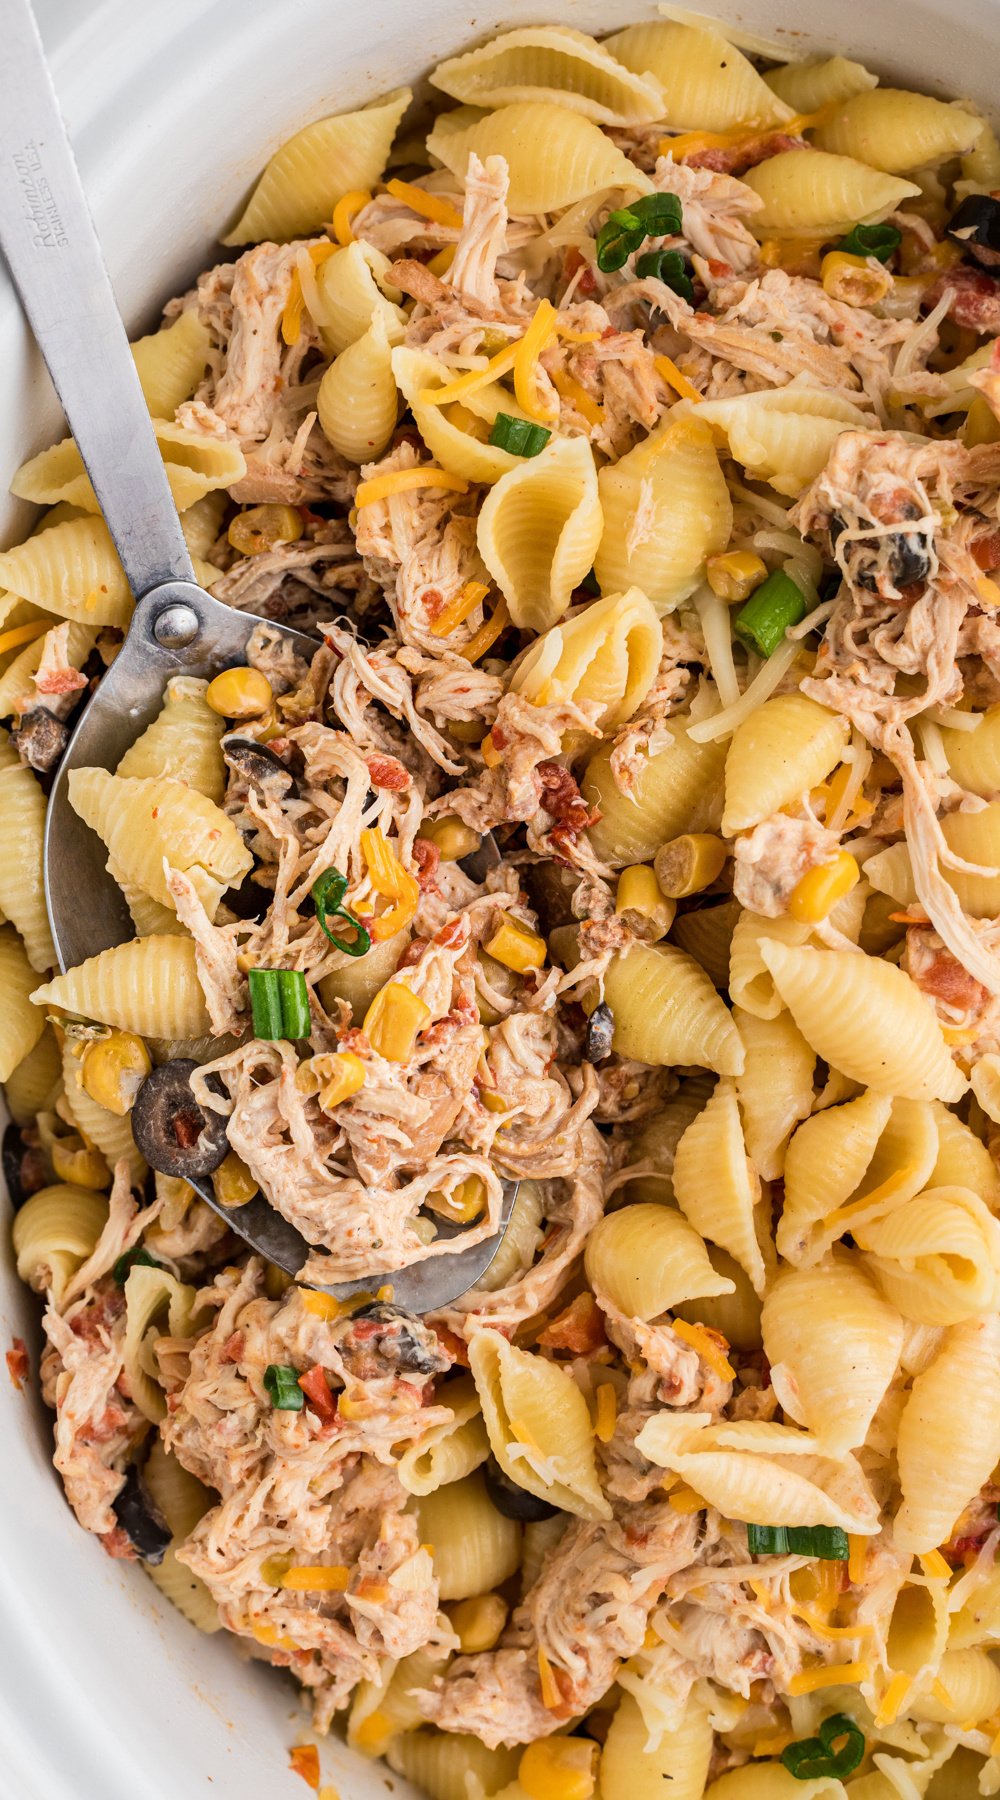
{"points": [[871, 240], [328, 890], [282, 1383], [660, 213], [620, 234], [521, 437], [826, 1541], [127, 1261], [669, 267], [765, 618], [279, 1000], [813, 1758]]}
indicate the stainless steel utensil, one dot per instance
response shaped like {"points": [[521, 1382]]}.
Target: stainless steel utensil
{"points": [[54, 257]]}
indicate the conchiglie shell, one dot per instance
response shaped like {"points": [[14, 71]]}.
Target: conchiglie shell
{"points": [[450, 445], [644, 1260], [666, 1011], [183, 743], [677, 790], [521, 1239], [707, 83], [474, 1546], [891, 872], [551, 63], [171, 362], [437, 1762], [707, 935], [303, 181], [716, 1187], [977, 1620], [539, 1427], [554, 156], [971, 1681], [349, 286], [807, 86], [183, 1501], [896, 131], [33, 1086], [833, 1345], [918, 1630], [735, 1315], [981, 165], [359, 978], [111, 1132], [949, 1434], [538, 530], [21, 1023], [202, 524], [358, 401], [760, 1472], [54, 1232], [849, 1164], [784, 435], [786, 747], [866, 1018], [962, 1160], [775, 1089], [657, 1138], [195, 465], [449, 1452], [144, 821], [71, 570], [673, 477], [974, 756], [185, 1590], [147, 914], [22, 824], [936, 1258], [751, 984], [17, 688], [975, 837], [770, 1781], [810, 193], [149, 986], [608, 653], [678, 1765]]}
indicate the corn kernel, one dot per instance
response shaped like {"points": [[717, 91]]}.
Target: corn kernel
{"points": [[277, 1281], [261, 527], [239, 693], [815, 896], [639, 892], [465, 1203], [516, 947], [233, 1183], [465, 731], [689, 863], [491, 755], [75, 1163], [353, 1408], [981, 424], [856, 280], [322, 1306], [347, 1077], [735, 575], [393, 1020], [452, 836], [114, 1068], [559, 1768], [477, 1623]]}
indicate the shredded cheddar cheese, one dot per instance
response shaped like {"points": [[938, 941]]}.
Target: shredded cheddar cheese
{"points": [[344, 212], [469, 383], [400, 481], [442, 261], [551, 1697], [24, 634], [430, 206], [893, 1700], [606, 1413], [849, 1674], [935, 1567], [539, 333], [711, 1347], [466, 600], [568, 388], [487, 634], [291, 317], [824, 1630], [858, 1560], [668, 371], [685, 1500]]}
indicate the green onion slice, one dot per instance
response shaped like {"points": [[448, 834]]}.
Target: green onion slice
{"points": [[669, 267], [328, 891], [127, 1261], [776, 604], [815, 1757], [871, 240], [660, 213], [621, 234], [521, 437], [279, 1000], [282, 1383], [827, 1541]]}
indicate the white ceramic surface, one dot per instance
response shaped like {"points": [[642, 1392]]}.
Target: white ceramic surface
{"points": [[173, 105]]}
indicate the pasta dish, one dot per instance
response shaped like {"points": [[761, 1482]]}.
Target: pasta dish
{"points": [[626, 430]]}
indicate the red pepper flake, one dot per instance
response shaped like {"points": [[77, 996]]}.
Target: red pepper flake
{"points": [[316, 1389], [17, 1363], [304, 1761]]}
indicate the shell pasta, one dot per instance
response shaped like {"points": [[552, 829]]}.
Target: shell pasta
{"points": [[621, 420]]}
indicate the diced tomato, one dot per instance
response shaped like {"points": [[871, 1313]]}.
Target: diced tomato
{"points": [[17, 1363], [451, 935], [316, 1389], [579, 1329], [573, 262], [453, 1345], [304, 1761], [427, 856], [976, 302], [388, 774], [233, 1348], [732, 158], [562, 798], [986, 551]]}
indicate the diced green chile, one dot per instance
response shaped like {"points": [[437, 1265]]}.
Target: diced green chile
{"points": [[328, 891], [282, 1384], [128, 1260], [776, 604], [520, 437]]}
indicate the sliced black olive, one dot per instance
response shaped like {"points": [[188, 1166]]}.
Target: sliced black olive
{"points": [[249, 901], [259, 766], [550, 887], [174, 1134], [403, 1342], [975, 224], [480, 863], [40, 739], [140, 1519], [513, 1501], [600, 1031], [902, 555]]}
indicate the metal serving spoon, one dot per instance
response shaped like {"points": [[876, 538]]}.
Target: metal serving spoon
{"points": [[54, 257]]}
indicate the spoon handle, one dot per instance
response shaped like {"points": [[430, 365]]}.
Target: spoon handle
{"points": [[55, 260]]}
